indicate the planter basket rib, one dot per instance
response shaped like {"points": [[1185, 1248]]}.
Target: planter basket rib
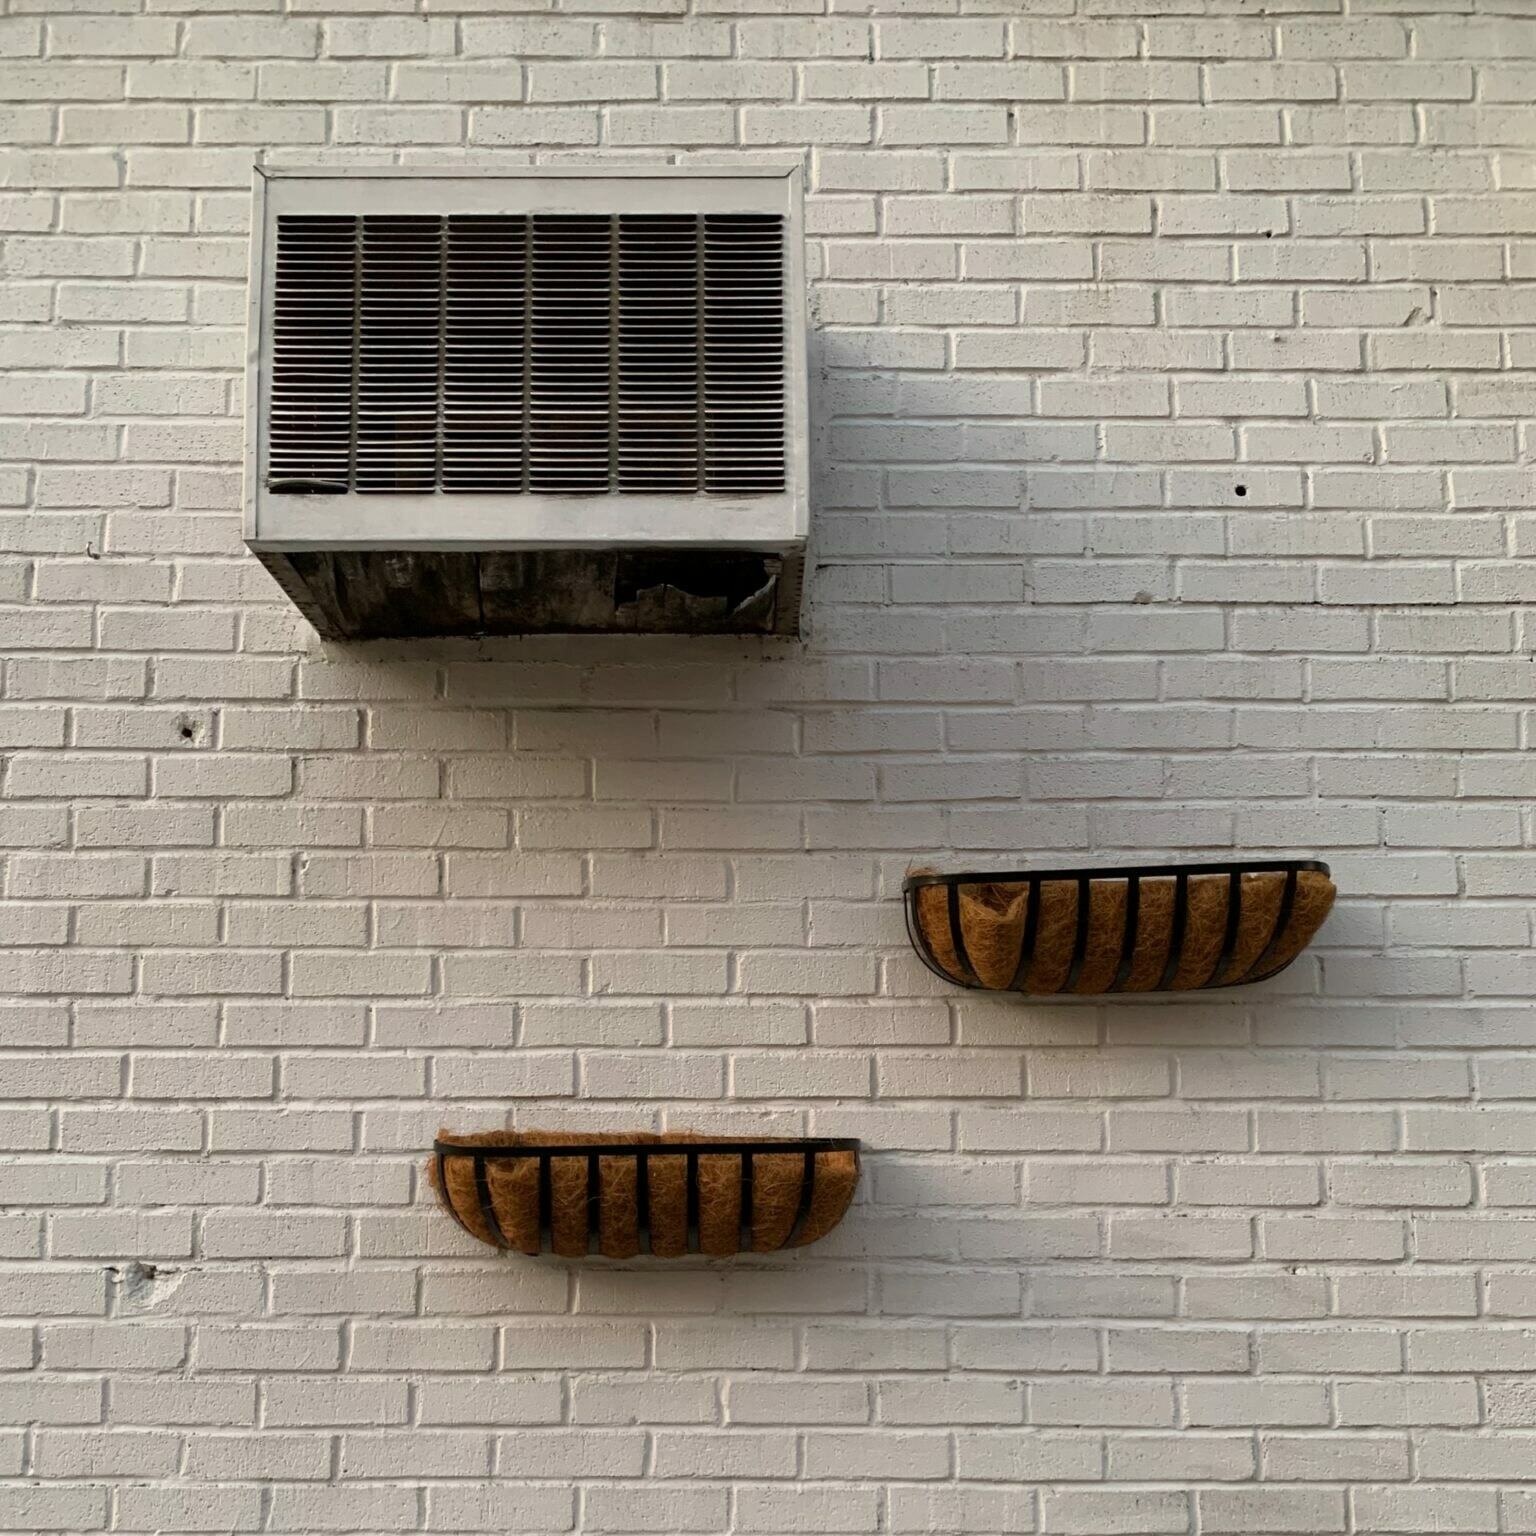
{"points": [[1157, 928], [623, 1194]]}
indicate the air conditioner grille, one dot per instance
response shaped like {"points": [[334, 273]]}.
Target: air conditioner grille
{"points": [[547, 354]]}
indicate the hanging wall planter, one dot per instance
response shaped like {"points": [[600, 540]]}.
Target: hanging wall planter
{"points": [[1158, 928], [623, 1194]]}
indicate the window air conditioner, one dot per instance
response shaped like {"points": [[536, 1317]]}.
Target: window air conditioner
{"points": [[526, 401]]}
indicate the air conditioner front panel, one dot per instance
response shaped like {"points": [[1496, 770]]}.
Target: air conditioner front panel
{"points": [[527, 360]]}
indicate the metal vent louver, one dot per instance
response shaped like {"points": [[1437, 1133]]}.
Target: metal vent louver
{"points": [[528, 354]]}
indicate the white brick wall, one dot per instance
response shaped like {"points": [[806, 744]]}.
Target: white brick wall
{"points": [[1177, 382]]}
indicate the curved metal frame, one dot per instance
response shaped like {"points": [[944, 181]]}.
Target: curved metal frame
{"points": [[1132, 875], [642, 1152]]}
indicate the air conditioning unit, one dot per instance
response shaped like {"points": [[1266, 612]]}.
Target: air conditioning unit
{"points": [[529, 401]]}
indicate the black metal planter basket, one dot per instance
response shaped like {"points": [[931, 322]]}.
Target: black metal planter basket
{"points": [[624, 1195], [1150, 928]]}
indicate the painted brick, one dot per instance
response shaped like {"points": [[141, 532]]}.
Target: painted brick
{"points": [[1171, 421]]}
